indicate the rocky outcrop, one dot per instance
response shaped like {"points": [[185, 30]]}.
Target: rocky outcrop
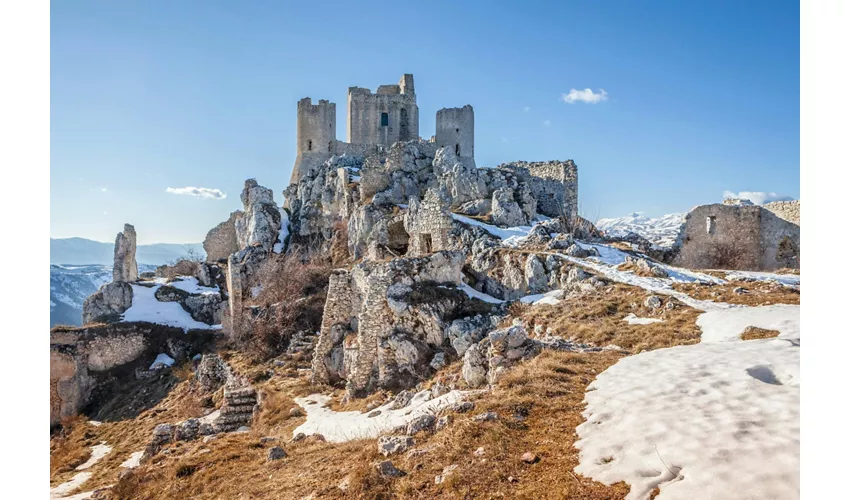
{"points": [[384, 322], [124, 267], [221, 240], [260, 224], [108, 303], [487, 360]]}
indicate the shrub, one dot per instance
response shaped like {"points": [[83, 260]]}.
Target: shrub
{"points": [[292, 299]]}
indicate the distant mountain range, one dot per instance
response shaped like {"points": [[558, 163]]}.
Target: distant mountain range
{"points": [[70, 285], [661, 230], [80, 251], [78, 267]]}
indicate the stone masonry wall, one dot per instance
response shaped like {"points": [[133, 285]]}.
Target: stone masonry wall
{"points": [[221, 240], [788, 210]]}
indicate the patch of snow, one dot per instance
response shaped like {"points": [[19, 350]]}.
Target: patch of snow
{"points": [[509, 235], [551, 298], [710, 420], [354, 178], [475, 294], [98, 451], [68, 486], [146, 308], [189, 284], [727, 325], [280, 245], [784, 279], [339, 427], [255, 291], [133, 461], [634, 320], [162, 359], [95, 423]]}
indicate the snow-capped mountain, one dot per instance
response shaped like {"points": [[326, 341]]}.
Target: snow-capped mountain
{"points": [[661, 230], [83, 251], [70, 285]]}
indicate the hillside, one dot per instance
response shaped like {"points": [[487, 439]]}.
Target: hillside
{"points": [[660, 230], [80, 251]]}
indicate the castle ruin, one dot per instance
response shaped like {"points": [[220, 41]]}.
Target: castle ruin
{"points": [[375, 121]]}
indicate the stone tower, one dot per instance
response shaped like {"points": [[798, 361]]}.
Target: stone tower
{"points": [[316, 135], [387, 116], [456, 130]]}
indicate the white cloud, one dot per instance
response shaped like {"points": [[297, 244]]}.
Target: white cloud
{"points": [[585, 95], [547, 122], [215, 194], [757, 197]]}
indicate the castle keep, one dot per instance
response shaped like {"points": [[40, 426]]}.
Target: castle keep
{"points": [[375, 121]]}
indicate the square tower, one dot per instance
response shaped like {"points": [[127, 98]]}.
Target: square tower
{"points": [[387, 116]]}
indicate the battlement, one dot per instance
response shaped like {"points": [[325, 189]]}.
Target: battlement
{"points": [[389, 115]]}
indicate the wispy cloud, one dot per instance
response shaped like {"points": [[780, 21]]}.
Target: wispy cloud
{"points": [[214, 194], [757, 197], [103, 190], [586, 96], [547, 122], [526, 109]]}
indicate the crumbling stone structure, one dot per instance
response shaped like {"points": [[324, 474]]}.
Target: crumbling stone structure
{"points": [[384, 321], [82, 358], [125, 267], [742, 236], [428, 223], [787, 210], [221, 241]]}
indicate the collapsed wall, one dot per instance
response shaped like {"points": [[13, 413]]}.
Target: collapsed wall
{"points": [[737, 236], [787, 210], [82, 358]]}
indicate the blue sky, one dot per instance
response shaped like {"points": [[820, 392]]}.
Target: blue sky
{"points": [[702, 97]]}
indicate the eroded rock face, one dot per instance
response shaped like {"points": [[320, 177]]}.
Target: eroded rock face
{"points": [[385, 321], [124, 267], [260, 223], [108, 303], [506, 211]]}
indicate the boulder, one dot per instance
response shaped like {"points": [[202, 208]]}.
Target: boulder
{"points": [[506, 211], [124, 267], [108, 303], [260, 224], [389, 445]]}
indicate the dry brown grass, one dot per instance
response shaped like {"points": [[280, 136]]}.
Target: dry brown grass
{"points": [[787, 270], [635, 269], [548, 391], [71, 446], [758, 292], [597, 317], [754, 332]]}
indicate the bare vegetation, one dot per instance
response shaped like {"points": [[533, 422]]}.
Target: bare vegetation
{"points": [[750, 293], [596, 317], [754, 332]]}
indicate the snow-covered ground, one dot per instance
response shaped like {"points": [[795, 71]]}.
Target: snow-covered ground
{"points": [[146, 308], [280, 245], [189, 284], [784, 279], [720, 419], [661, 231], [634, 320], [550, 298], [343, 426], [475, 294], [508, 235]]}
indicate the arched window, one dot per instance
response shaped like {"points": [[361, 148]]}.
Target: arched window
{"points": [[457, 149], [385, 119], [309, 145]]}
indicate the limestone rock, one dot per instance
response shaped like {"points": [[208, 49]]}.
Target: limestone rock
{"points": [[447, 471], [421, 423], [387, 469], [388, 445], [506, 211], [535, 274], [652, 302], [124, 267], [260, 224], [108, 303]]}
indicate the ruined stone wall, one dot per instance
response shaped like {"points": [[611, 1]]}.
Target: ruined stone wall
{"points": [[744, 237], [788, 210], [221, 240], [554, 184], [456, 131], [336, 322], [428, 223], [366, 125]]}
